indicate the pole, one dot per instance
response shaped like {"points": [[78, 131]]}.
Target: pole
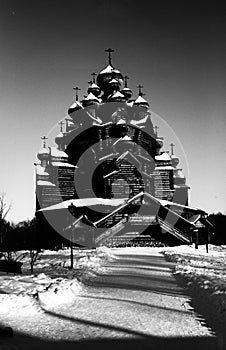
{"points": [[72, 258], [196, 238]]}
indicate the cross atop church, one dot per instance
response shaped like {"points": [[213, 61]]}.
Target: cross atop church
{"points": [[76, 92], [126, 80], [156, 129], [44, 138], [139, 90], [109, 50], [172, 146], [61, 126], [94, 77], [90, 82]]}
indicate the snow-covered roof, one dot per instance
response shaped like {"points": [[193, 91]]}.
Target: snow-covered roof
{"points": [[163, 157], [91, 97], [60, 135], [140, 100], [63, 164], [139, 122], [117, 94], [121, 121], [94, 86], [41, 170], [44, 150], [76, 104], [165, 167], [176, 205], [45, 183], [113, 81], [87, 202], [108, 69], [179, 174], [57, 153]]}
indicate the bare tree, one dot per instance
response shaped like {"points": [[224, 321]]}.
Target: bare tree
{"points": [[4, 210]]}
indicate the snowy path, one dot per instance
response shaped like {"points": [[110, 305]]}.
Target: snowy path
{"points": [[133, 300]]}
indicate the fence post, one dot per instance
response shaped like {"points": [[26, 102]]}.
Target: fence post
{"points": [[196, 231]]}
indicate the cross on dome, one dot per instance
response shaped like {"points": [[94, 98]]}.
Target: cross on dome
{"points": [[139, 90], [44, 138], [156, 130], [126, 80], [109, 50], [94, 77], [77, 89], [61, 126], [172, 146], [90, 82]]}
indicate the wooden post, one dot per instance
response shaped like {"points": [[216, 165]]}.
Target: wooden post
{"points": [[196, 231], [207, 240], [71, 209], [72, 258]]}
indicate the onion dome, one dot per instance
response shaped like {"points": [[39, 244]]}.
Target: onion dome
{"points": [[141, 102], [115, 84], [43, 154], [106, 75], [74, 107], [127, 92], [59, 138], [179, 178], [158, 145], [90, 100], [116, 97], [94, 89], [175, 160]]}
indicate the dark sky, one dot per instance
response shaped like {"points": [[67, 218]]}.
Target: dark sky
{"points": [[176, 50]]}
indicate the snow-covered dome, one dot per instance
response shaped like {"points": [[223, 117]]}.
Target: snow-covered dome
{"points": [[115, 84], [106, 75], [175, 160], [116, 97], [159, 144], [43, 154], [89, 100], [59, 138], [179, 178], [127, 92], [74, 107], [94, 89], [141, 102]]}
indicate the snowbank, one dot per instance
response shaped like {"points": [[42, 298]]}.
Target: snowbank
{"points": [[204, 277]]}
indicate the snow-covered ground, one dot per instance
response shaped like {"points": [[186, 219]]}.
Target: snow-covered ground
{"points": [[204, 276], [53, 283]]}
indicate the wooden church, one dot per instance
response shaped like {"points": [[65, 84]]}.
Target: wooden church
{"points": [[107, 179]]}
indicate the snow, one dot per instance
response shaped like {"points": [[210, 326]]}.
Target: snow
{"points": [[164, 157], [57, 153], [205, 277], [45, 183], [68, 165], [54, 284], [108, 69], [91, 97], [117, 94], [41, 170], [140, 99], [166, 167]]}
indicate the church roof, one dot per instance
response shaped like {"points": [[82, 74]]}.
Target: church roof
{"points": [[57, 153], [163, 157]]}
